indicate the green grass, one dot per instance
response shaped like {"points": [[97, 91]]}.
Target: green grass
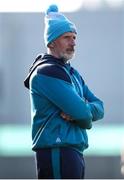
{"points": [[104, 140]]}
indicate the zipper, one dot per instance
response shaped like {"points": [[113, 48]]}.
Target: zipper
{"points": [[77, 85]]}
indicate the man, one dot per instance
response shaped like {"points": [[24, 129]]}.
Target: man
{"points": [[62, 106]]}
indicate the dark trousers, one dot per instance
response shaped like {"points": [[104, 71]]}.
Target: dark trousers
{"points": [[69, 164]]}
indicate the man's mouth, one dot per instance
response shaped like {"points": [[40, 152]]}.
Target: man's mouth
{"points": [[71, 50]]}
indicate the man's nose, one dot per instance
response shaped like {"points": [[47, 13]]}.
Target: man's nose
{"points": [[73, 43]]}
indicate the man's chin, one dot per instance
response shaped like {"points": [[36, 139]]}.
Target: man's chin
{"points": [[67, 57]]}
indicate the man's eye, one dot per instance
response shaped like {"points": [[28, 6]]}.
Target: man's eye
{"points": [[66, 37]]}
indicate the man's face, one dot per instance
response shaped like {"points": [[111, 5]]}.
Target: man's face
{"points": [[64, 46]]}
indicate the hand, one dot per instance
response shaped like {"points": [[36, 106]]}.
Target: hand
{"points": [[65, 116]]}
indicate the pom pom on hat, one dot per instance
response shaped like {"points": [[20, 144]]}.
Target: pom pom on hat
{"points": [[52, 8], [56, 24]]}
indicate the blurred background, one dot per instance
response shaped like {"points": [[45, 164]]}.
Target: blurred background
{"points": [[99, 59]]}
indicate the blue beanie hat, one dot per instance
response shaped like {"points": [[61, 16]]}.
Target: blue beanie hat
{"points": [[56, 24]]}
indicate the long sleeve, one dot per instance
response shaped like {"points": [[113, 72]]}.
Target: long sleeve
{"points": [[48, 82], [95, 104]]}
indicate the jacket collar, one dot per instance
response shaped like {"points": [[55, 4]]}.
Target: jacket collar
{"points": [[58, 60]]}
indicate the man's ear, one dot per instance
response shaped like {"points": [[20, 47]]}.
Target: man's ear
{"points": [[51, 45]]}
